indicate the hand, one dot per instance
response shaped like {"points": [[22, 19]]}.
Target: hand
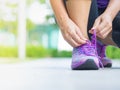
{"points": [[102, 25], [72, 33]]}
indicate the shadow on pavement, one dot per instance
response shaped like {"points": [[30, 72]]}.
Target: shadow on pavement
{"points": [[115, 68]]}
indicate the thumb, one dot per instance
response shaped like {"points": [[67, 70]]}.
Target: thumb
{"points": [[95, 26]]}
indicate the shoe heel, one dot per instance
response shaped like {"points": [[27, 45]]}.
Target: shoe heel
{"points": [[88, 65]]}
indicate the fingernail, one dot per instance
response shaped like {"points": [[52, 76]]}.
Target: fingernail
{"points": [[93, 28], [89, 30], [86, 39]]}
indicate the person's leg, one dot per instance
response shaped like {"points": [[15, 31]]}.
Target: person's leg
{"points": [[116, 30], [83, 57], [112, 39], [101, 48], [93, 14], [78, 11]]}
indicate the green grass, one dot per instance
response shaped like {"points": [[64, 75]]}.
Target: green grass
{"points": [[41, 52], [9, 54], [33, 52], [113, 52]]}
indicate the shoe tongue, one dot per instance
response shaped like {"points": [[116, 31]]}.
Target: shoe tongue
{"points": [[91, 45], [88, 49]]}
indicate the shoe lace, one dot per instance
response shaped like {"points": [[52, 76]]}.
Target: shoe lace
{"points": [[89, 49], [94, 42]]}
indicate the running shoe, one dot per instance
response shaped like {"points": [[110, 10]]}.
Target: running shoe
{"points": [[101, 50]]}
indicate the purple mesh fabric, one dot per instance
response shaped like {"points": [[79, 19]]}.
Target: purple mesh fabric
{"points": [[94, 41], [86, 51], [101, 48]]}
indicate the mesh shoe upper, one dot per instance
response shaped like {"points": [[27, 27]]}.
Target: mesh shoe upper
{"points": [[101, 49], [84, 52]]}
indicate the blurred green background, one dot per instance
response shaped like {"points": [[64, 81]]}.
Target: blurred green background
{"points": [[43, 36]]}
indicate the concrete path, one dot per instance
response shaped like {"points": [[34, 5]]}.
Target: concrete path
{"points": [[55, 74]]}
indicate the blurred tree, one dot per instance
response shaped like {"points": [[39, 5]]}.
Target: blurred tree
{"points": [[42, 1], [30, 25], [31, 1], [8, 16]]}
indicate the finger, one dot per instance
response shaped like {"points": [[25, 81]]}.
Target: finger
{"points": [[96, 24], [72, 42], [77, 39], [78, 32], [107, 33], [101, 26], [104, 33], [105, 30], [91, 31]]}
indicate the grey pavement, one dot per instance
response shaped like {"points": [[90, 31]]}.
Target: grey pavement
{"points": [[56, 74]]}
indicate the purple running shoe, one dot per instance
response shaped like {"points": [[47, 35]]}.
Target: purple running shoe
{"points": [[101, 50], [85, 56]]}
